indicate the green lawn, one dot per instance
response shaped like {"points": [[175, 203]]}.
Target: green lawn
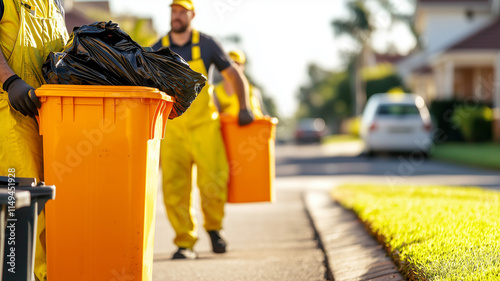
{"points": [[436, 232], [485, 155]]}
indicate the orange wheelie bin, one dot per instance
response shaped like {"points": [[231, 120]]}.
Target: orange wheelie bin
{"points": [[251, 157], [101, 149]]}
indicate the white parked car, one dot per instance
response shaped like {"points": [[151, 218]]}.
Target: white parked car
{"points": [[396, 123]]}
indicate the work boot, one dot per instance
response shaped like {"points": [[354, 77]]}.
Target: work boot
{"points": [[218, 243], [184, 253]]}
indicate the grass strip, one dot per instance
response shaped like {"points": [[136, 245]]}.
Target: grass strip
{"points": [[432, 232], [481, 154], [340, 139]]}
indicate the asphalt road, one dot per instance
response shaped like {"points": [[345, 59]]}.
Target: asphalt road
{"points": [[277, 241], [326, 166]]}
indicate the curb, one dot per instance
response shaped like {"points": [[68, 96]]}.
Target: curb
{"points": [[351, 253]]}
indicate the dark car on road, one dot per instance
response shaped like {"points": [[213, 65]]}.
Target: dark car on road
{"points": [[310, 130]]}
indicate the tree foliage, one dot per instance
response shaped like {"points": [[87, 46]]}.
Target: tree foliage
{"points": [[328, 94], [139, 30], [336, 95], [325, 96], [358, 26]]}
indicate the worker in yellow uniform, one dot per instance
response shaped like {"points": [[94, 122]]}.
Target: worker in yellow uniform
{"points": [[227, 100], [29, 31], [195, 138]]}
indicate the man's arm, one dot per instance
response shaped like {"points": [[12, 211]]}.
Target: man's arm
{"points": [[21, 95], [240, 85], [5, 70], [234, 77]]}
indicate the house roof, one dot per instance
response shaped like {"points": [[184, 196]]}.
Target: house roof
{"points": [[92, 5], [80, 13], [453, 1], [485, 39], [393, 59], [76, 18], [426, 69]]}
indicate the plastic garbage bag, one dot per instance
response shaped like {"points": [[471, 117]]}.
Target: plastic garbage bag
{"points": [[102, 54]]}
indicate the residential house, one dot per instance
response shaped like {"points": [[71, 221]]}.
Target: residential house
{"points": [[83, 12], [460, 57], [461, 50], [80, 13]]}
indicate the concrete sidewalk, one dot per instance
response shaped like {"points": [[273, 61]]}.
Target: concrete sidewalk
{"points": [[266, 242]]}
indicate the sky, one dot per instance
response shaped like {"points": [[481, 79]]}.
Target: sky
{"points": [[279, 37]]}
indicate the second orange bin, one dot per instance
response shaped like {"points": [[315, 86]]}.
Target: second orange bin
{"points": [[250, 152], [101, 149]]}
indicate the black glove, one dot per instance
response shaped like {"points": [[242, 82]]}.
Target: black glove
{"points": [[245, 117], [21, 96]]}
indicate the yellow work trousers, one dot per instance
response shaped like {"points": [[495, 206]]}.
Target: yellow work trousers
{"points": [[21, 150], [181, 148]]}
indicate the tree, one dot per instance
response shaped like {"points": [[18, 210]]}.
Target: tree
{"points": [[140, 30], [328, 95], [397, 16], [323, 96], [359, 28]]}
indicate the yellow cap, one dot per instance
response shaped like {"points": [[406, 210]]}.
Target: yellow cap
{"points": [[238, 56], [187, 4]]}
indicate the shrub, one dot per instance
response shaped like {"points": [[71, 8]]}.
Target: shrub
{"points": [[383, 85], [475, 122], [442, 112]]}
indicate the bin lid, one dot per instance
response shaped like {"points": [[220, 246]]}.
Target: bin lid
{"points": [[23, 198], [97, 91]]}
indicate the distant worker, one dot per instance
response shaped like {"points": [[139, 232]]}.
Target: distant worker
{"points": [[29, 31], [227, 100], [195, 138]]}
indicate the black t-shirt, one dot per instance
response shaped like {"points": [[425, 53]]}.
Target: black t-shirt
{"points": [[211, 52], [58, 3]]}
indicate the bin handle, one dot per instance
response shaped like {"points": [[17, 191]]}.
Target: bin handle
{"points": [[163, 108], [159, 110], [166, 113]]}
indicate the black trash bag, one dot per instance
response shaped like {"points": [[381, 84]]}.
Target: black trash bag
{"points": [[102, 54]]}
